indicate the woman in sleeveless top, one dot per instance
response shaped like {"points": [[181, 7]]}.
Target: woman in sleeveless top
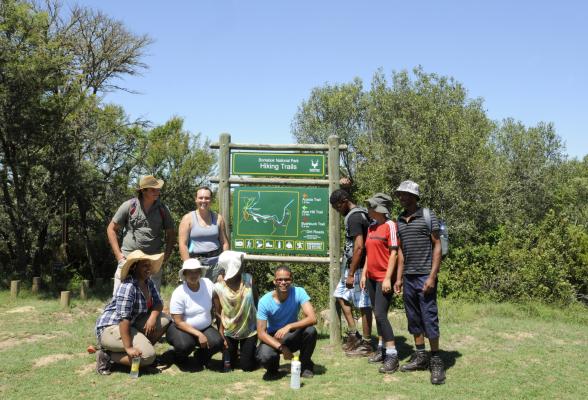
{"points": [[202, 234]]}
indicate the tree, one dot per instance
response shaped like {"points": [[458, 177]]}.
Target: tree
{"points": [[180, 159], [50, 150], [531, 161], [422, 128], [333, 110], [32, 114], [103, 50], [426, 129]]}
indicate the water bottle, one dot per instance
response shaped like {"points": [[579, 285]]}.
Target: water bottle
{"points": [[295, 374], [135, 367], [227, 361], [444, 237]]}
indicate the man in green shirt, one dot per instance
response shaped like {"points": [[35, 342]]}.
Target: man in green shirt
{"points": [[147, 225]]}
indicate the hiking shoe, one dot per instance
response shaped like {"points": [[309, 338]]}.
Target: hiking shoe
{"points": [[390, 365], [273, 375], [377, 356], [363, 349], [352, 341], [437, 370], [103, 362], [307, 373], [418, 362]]}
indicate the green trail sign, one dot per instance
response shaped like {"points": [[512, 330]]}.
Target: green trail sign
{"points": [[283, 164], [276, 220]]}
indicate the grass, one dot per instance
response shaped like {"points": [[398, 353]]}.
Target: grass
{"points": [[493, 351]]}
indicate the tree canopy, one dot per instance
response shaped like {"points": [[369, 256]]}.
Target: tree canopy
{"points": [[502, 187], [68, 159]]}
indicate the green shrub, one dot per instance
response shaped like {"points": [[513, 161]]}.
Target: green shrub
{"points": [[546, 261]]}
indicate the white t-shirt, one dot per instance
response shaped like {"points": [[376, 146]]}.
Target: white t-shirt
{"points": [[195, 307]]}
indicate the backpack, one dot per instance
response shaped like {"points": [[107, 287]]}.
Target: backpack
{"points": [[443, 234], [364, 215], [133, 208]]}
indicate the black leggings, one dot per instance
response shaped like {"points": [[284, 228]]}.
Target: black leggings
{"points": [[184, 343], [381, 304], [247, 360]]}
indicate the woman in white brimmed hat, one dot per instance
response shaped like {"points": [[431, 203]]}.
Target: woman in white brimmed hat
{"points": [[234, 303], [191, 310], [132, 321]]}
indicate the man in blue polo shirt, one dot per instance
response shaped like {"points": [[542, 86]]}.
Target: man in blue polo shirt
{"points": [[418, 265], [279, 329]]}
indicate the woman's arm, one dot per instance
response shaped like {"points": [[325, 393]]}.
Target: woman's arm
{"points": [[387, 283], [183, 235], [222, 233], [255, 292], [218, 309], [125, 334], [186, 327]]}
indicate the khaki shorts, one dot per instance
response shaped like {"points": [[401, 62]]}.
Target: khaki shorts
{"points": [[111, 340]]}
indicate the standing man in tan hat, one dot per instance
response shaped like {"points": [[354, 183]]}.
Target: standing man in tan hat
{"points": [[147, 225]]}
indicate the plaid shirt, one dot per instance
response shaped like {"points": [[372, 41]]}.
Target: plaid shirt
{"points": [[128, 303]]}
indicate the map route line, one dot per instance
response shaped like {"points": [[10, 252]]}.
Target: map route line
{"points": [[250, 211]]}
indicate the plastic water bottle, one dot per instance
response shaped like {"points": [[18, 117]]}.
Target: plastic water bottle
{"points": [[444, 238], [295, 373], [135, 367], [227, 361]]}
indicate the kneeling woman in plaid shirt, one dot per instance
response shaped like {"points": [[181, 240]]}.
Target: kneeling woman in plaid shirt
{"points": [[132, 321]]}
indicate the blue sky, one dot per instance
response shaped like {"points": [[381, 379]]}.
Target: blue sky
{"points": [[244, 67]]}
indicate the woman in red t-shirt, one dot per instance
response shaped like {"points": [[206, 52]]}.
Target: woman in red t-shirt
{"points": [[381, 248]]}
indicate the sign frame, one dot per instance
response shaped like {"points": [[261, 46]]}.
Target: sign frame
{"points": [[278, 164]]}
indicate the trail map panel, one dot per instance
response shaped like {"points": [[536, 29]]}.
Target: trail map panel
{"points": [[287, 221], [283, 164]]}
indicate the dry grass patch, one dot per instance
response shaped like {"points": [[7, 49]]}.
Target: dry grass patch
{"points": [[18, 310], [241, 386], [389, 378], [86, 369], [53, 358], [516, 336], [463, 341], [12, 342], [263, 393], [64, 317], [395, 397]]}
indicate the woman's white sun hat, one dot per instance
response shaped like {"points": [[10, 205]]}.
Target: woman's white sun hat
{"points": [[231, 262], [189, 264]]}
